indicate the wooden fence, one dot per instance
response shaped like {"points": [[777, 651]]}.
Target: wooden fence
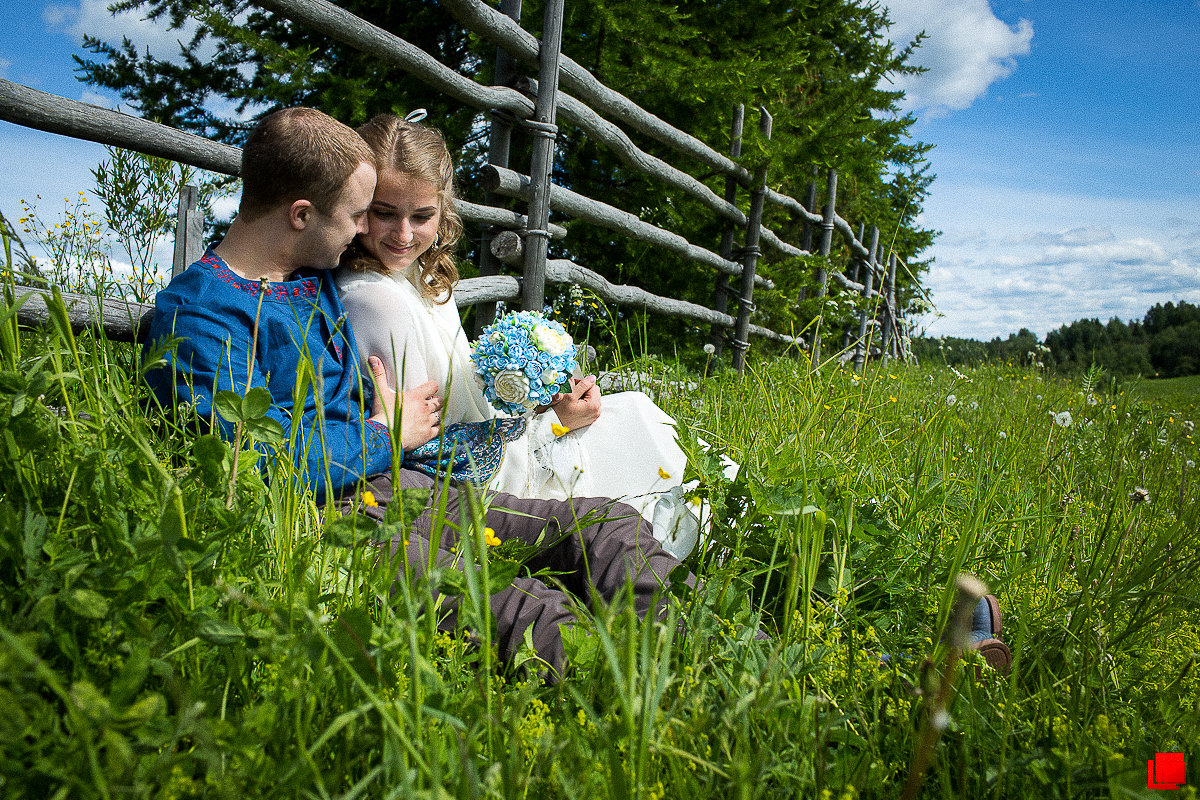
{"points": [[564, 91]]}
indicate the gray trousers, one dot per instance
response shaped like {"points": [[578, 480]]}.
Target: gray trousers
{"points": [[604, 556]]}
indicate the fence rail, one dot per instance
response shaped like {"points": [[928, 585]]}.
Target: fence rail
{"points": [[533, 106]]}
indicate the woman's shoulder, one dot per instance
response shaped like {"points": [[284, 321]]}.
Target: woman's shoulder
{"points": [[355, 280]]}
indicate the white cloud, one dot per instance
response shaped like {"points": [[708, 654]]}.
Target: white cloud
{"points": [[93, 18], [4, 65], [967, 49], [1052, 259]]}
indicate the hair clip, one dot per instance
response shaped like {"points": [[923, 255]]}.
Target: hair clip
{"points": [[416, 115]]}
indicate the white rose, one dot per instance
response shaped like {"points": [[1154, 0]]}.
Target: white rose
{"points": [[549, 376], [550, 341], [511, 386]]}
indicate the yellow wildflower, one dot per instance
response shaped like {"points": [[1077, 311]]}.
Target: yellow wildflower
{"points": [[559, 430], [490, 538], [368, 499], [662, 473]]}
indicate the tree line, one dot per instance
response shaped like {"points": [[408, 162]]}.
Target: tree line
{"points": [[1164, 344]]}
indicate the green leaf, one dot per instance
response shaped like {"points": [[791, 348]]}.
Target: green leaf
{"points": [[501, 574], [218, 631], [229, 406], [453, 582], [132, 675], [87, 603], [350, 530], [256, 403], [143, 711], [265, 429]]}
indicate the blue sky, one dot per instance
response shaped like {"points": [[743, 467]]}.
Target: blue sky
{"points": [[1067, 154]]}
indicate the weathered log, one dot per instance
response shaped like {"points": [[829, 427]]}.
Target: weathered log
{"points": [[716, 336], [541, 162], [563, 271], [488, 289], [741, 328], [493, 26], [506, 246], [121, 321], [339, 24], [124, 321], [512, 184], [499, 148], [48, 112], [189, 230], [605, 132]]}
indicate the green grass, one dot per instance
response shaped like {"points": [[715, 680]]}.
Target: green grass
{"points": [[1184, 392], [154, 643]]}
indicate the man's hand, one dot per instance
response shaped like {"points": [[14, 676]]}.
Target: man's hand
{"points": [[581, 407], [420, 408]]}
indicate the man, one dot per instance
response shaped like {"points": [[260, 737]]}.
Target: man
{"points": [[260, 309]]}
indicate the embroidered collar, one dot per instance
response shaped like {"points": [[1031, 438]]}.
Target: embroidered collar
{"points": [[278, 291]]}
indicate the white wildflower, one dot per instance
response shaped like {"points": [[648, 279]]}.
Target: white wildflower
{"points": [[951, 400], [1063, 419], [1003, 435]]}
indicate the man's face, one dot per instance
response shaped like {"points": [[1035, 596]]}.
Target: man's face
{"points": [[327, 235]]}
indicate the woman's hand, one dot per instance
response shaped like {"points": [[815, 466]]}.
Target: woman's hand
{"points": [[420, 409], [581, 407]]}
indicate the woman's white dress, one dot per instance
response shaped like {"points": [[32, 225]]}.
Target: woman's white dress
{"points": [[630, 453]]}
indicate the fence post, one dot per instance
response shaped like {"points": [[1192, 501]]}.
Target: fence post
{"points": [[721, 302], [751, 251], [889, 301], [853, 272], [500, 140], [189, 230], [860, 349], [806, 236], [533, 289], [826, 247]]}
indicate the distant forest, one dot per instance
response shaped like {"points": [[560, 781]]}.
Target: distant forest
{"points": [[1165, 344]]}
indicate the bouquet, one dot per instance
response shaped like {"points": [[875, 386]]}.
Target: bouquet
{"points": [[522, 360]]}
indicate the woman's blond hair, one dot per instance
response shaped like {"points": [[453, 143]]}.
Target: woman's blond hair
{"points": [[420, 152]]}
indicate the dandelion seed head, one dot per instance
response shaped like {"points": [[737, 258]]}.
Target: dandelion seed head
{"points": [[951, 399], [710, 349], [1063, 419]]}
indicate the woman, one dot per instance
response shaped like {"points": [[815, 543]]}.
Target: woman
{"points": [[396, 282]]}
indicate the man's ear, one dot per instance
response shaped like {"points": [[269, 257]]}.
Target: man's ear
{"points": [[300, 214]]}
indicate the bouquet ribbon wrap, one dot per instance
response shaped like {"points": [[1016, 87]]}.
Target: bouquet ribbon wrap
{"points": [[467, 451]]}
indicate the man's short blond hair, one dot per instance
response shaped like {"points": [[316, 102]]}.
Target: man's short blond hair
{"points": [[298, 154]]}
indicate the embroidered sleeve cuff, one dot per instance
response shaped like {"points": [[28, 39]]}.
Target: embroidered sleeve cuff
{"points": [[379, 446]]}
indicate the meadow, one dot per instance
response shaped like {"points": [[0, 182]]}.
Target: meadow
{"points": [[173, 626]]}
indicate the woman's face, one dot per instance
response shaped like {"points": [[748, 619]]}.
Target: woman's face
{"points": [[403, 219]]}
